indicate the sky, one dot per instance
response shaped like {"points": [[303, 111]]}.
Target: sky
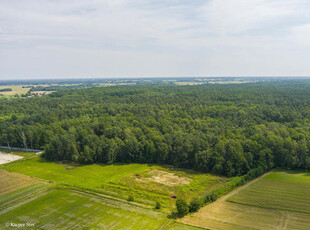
{"points": [[153, 38]]}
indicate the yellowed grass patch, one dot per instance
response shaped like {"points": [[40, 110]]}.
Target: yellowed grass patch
{"points": [[10, 182], [166, 178]]}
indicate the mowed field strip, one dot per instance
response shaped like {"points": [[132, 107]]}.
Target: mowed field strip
{"points": [[269, 202], [10, 182], [66, 209], [16, 187]]}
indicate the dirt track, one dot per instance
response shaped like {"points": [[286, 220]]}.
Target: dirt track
{"points": [[235, 191], [204, 213]]}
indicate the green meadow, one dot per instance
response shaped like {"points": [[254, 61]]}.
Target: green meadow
{"points": [[42, 205], [291, 176], [88, 176], [146, 183], [61, 209]]}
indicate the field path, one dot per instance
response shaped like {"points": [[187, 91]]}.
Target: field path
{"points": [[235, 191], [166, 224], [217, 205]]}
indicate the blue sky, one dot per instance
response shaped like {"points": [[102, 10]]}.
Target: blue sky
{"points": [[140, 38]]}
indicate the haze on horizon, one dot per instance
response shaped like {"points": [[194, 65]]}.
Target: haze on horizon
{"points": [[156, 38]]}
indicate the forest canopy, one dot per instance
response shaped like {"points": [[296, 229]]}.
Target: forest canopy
{"points": [[224, 129]]}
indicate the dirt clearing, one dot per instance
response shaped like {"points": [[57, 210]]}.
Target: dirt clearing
{"points": [[7, 157], [166, 178]]}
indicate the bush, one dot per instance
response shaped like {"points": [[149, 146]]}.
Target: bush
{"points": [[182, 207], [194, 205], [157, 205], [130, 198]]}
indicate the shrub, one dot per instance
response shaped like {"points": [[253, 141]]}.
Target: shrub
{"points": [[157, 205], [130, 198], [194, 205], [182, 207]]}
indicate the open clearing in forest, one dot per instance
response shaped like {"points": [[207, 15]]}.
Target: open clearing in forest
{"points": [[147, 183], [16, 89], [280, 200], [19, 89]]}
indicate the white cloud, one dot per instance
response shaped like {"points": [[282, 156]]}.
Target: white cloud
{"points": [[239, 16], [153, 38]]}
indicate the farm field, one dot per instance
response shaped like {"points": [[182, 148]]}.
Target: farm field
{"points": [[16, 187], [269, 202], [20, 89], [275, 194], [16, 89], [147, 183], [66, 209], [10, 182], [53, 208], [24, 199]]}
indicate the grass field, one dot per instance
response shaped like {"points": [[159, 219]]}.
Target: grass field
{"points": [[282, 195], [65, 209], [123, 180], [278, 201], [88, 176], [292, 176], [41, 205], [16, 89], [10, 182]]}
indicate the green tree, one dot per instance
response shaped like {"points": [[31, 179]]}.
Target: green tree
{"points": [[182, 207]]}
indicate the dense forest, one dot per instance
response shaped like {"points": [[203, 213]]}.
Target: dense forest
{"points": [[224, 129]]}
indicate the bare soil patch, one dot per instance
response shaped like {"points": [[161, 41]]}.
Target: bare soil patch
{"points": [[7, 157], [166, 178]]}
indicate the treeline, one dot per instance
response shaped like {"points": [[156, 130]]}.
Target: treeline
{"points": [[6, 90], [58, 87], [196, 203], [225, 129]]}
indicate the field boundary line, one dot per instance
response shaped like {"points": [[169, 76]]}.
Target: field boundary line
{"points": [[235, 191], [166, 224], [220, 201], [42, 190], [17, 203], [19, 160], [103, 196], [260, 206], [24, 175]]}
